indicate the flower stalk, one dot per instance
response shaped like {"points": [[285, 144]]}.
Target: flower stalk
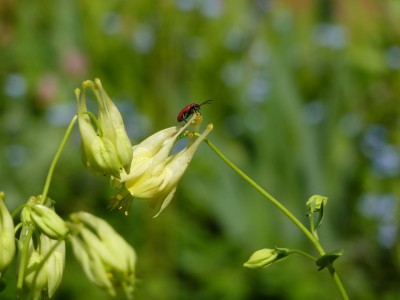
{"points": [[28, 229], [56, 157], [284, 210]]}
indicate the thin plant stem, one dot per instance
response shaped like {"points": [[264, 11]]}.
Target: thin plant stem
{"points": [[56, 157], [284, 210], [268, 196], [304, 254], [27, 239]]}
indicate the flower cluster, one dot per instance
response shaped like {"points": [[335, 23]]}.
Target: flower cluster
{"points": [[107, 259], [147, 171], [150, 171]]}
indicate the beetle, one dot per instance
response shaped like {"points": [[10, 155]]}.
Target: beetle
{"points": [[189, 109]]}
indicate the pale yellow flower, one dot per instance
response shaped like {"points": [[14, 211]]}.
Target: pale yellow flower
{"points": [[106, 149], [107, 259], [155, 172], [44, 273]]}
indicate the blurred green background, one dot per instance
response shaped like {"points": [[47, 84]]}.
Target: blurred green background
{"points": [[306, 101]]}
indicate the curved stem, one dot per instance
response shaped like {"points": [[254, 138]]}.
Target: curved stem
{"points": [[304, 254], [29, 230], [269, 197], [56, 157], [284, 210]]}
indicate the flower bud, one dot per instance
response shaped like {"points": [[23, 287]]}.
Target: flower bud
{"points": [[47, 220], [107, 259], [261, 258], [316, 202], [7, 243], [264, 257]]}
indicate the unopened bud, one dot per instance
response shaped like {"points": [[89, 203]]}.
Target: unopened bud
{"points": [[261, 258], [48, 221], [316, 202], [7, 243]]}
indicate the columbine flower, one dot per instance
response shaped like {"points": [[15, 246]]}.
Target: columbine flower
{"points": [[45, 258], [44, 272], [155, 172], [7, 243], [107, 259], [106, 150]]}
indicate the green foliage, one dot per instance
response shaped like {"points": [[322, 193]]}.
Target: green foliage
{"points": [[306, 100], [328, 258]]}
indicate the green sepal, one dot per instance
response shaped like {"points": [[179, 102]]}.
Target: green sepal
{"points": [[328, 258]]}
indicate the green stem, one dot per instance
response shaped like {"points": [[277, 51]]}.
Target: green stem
{"points": [[24, 256], [304, 254], [269, 197], [29, 230], [56, 157], [312, 226], [284, 210]]}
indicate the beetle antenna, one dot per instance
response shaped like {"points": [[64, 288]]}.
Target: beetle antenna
{"points": [[206, 102]]}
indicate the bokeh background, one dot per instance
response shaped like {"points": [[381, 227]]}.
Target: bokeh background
{"points": [[306, 101]]}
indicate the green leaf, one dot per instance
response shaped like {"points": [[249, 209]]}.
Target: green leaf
{"points": [[328, 258]]}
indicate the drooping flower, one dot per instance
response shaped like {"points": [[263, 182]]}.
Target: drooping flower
{"points": [[155, 172], [7, 243], [107, 259], [44, 271], [107, 149], [45, 257]]}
